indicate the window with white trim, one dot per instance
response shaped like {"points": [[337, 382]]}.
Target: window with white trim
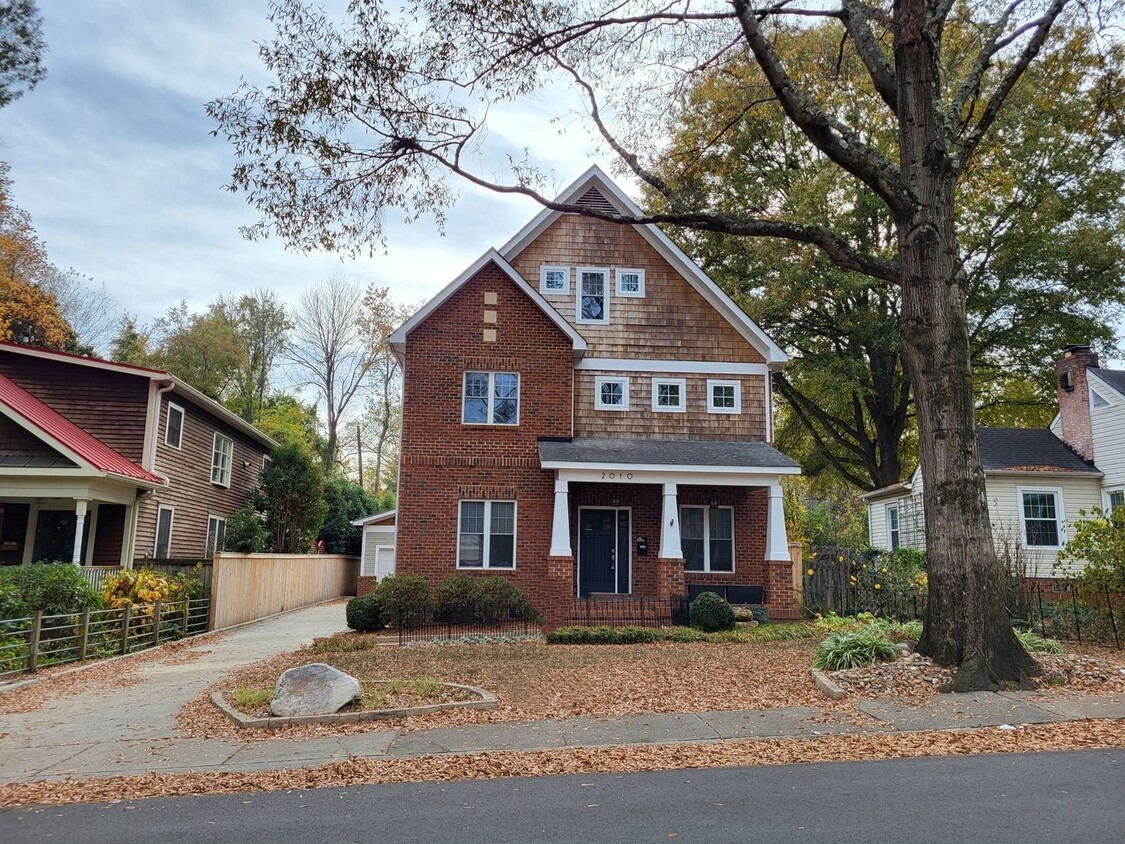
{"points": [[491, 398], [486, 535], [216, 534], [1041, 517], [630, 283], [611, 393], [222, 456], [592, 301], [669, 395], [1097, 400], [1115, 499], [894, 528], [707, 538], [554, 279], [174, 426], [724, 396], [163, 545]]}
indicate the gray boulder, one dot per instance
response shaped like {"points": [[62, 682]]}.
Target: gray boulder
{"points": [[314, 689]]}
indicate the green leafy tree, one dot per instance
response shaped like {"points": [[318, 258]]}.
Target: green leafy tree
{"points": [[202, 348], [21, 49], [288, 420], [131, 343], [1098, 543], [292, 487], [381, 133], [345, 501], [260, 321], [246, 532]]}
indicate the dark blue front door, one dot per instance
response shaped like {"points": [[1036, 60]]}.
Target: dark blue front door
{"points": [[603, 551]]}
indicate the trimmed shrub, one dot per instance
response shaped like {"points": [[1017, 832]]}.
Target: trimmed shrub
{"points": [[605, 635], [855, 650], [403, 599], [640, 635], [710, 613], [467, 599], [685, 634], [364, 613], [54, 588]]}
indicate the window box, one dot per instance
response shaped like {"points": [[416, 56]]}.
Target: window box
{"points": [[491, 398], [222, 457], [724, 396], [611, 393], [669, 395], [554, 280], [707, 538], [630, 283], [592, 301], [486, 535]]}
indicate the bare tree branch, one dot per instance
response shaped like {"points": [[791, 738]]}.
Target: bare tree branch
{"points": [[857, 19]]}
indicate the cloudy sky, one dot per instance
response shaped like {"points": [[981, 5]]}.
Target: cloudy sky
{"points": [[112, 157]]}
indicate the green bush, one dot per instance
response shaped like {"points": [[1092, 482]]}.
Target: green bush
{"points": [[605, 635], [856, 649], [709, 613], [777, 632], [1035, 643], [685, 634], [639, 635], [465, 598], [53, 588], [404, 600], [364, 613]]}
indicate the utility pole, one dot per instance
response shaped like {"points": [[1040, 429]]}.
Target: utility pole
{"points": [[359, 451]]}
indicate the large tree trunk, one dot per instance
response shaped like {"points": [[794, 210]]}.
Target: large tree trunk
{"points": [[966, 623]]}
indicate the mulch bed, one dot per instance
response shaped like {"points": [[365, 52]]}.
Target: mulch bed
{"points": [[1040, 737]]}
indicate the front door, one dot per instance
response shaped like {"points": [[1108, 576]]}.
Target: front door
{"points": [[603, 551]]}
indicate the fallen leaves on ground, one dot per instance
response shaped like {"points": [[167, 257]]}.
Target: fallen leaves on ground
{"points": [[354, 771]]}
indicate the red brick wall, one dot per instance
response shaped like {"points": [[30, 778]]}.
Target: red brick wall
{"points": [[1074, 404], [444, 461]]}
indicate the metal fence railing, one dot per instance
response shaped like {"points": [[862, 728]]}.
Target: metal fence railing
{"points": [[39, 640], [431, 621], [1068, 613], [628, 611]]}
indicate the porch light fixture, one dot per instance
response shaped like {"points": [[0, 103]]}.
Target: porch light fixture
{"points": [[615, 501], [713, 502]]}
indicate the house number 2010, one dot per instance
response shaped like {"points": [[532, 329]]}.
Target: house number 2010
{"points": [[613, 476]]}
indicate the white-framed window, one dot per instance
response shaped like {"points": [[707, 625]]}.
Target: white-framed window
{"points": [[554, 279], [491, 398], [1041, 517], [1114, 499], [1097, 400], [707, 538], [630, 282], [669, 395], [486, 535], [611, 393], [592, 301], [174, 426], [894, 526], [724, 396], [162, 547], [222, 456], [216, 534]]}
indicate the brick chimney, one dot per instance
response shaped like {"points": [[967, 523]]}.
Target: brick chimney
{"points": [[1074, 398]]}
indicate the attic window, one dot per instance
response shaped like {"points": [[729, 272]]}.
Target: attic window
{"points": [[631, 283], [1097, 399], [554, 279]]}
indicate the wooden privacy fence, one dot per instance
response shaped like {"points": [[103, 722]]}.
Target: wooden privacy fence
{"points": [[245, 587]]}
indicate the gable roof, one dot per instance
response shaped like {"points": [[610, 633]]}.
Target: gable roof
{"points": [[182, 387], [378, 518], [1112, 378], [66, 437], [397, 339], [596, 189], [1027, 449]]}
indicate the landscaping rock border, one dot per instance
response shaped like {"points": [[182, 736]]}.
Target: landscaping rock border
{"points": [[827, 688], [485, 700]]}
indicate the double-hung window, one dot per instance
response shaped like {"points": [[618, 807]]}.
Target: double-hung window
{"points": [[486, 535], [669, 395], [707, 538], [222, 456], [724, 396], [593, 295], [491, 398], [216, 534], [163, 545], [894, 530], [1115, 499], [1041, 515], [611, 393], [174, 427]]}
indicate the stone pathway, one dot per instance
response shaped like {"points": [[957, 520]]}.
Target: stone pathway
{"points": [[132, 730]]}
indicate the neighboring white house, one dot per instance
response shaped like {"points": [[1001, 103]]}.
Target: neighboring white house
{"points": [[1038, 481], [377, 552]]}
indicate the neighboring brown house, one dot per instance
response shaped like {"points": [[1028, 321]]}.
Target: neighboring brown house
{"points": [[103, 463], [587, 413]]}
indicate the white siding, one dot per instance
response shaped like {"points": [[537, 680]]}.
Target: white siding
{"points": [[878, 535], [1108, 427], [372, 537], [1004, 511]]}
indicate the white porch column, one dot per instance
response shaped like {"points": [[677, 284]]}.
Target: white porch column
{"points": [[670, 526], [560, 525], [79, 522], [777, 543]]}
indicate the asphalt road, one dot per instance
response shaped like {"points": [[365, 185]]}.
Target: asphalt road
{"points": [[1026, 798]]}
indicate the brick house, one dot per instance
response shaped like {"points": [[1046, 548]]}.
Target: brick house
{"points": [[102, 463], [587, 413]]}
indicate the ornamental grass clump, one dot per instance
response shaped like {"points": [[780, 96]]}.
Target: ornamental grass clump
{"points": [[1035, 643], [855, 650]]}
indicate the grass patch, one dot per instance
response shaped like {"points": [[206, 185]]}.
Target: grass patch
{"points": [[346, 643], [251, 697], [394, 694]]}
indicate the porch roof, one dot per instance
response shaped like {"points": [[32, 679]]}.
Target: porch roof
{"points": [[743, 455]]}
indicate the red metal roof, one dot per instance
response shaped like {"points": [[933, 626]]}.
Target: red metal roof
{"points": [[61, 430]]}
